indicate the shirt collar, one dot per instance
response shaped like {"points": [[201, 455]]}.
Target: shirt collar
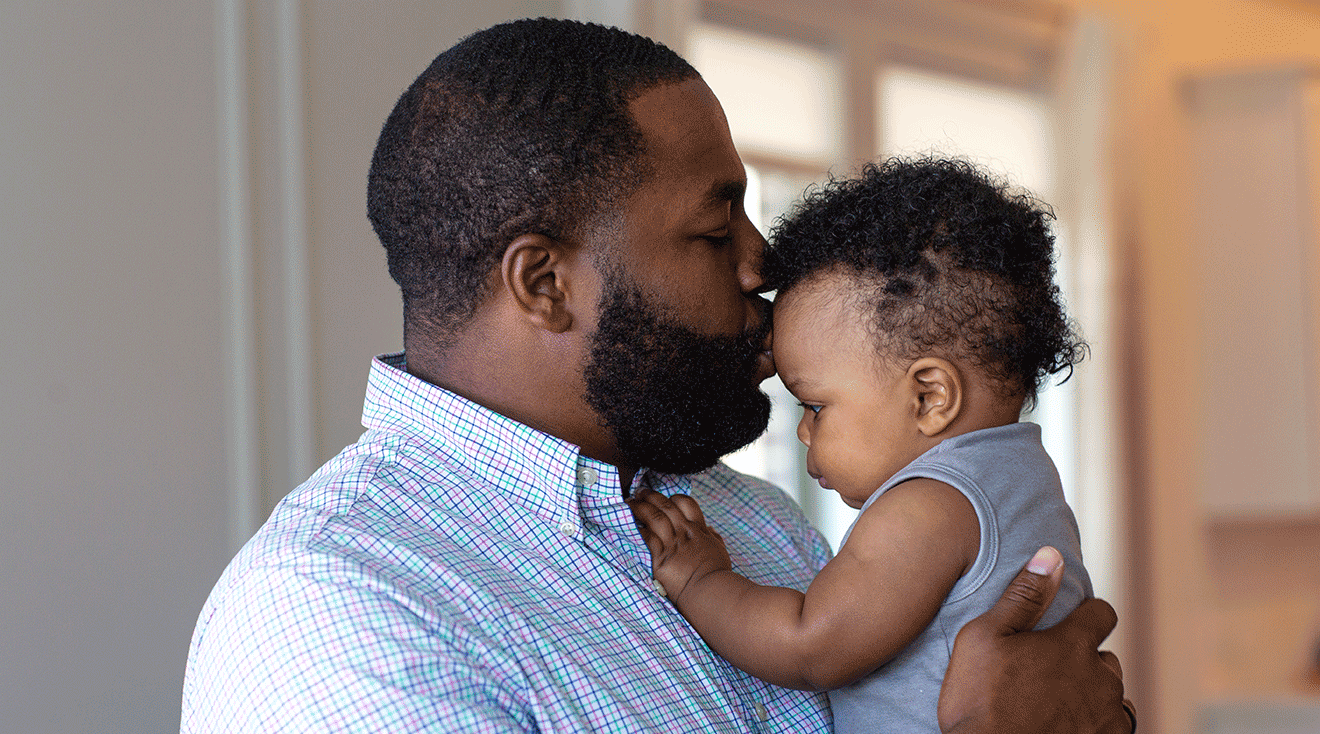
{"points": [[547, 474]]}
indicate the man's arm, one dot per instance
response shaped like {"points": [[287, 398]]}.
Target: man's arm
{"points": [[1003, 677]]}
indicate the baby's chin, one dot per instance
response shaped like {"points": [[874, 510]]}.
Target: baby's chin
{"points": [[851, 502]]}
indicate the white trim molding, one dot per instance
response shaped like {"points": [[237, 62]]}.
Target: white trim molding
{"points": [[242, 460]]}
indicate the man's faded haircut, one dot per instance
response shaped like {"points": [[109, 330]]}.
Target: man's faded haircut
{"points": [[522, 128]]}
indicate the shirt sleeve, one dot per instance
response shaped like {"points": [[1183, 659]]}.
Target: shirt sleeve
{"points": [[289, 653]]}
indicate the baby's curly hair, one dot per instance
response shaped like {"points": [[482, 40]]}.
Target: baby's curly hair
{"points": [[950, 262]]}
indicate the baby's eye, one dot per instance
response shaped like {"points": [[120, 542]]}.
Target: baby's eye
{"points": [[812, 408]]}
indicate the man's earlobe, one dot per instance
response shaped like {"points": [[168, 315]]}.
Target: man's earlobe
{"points": [[937, 385], [534, 274]]}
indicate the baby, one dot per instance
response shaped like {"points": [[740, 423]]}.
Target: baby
{"points": [[916, 315]]}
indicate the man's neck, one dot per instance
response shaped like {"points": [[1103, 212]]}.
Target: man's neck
{"points": [[539, 392]]}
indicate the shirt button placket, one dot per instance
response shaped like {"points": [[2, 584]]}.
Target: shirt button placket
{"points": [[586, 477]]}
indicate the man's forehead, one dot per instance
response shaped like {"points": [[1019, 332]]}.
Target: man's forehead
{"points": [[670, 105], [684, 126], [695, 171]]}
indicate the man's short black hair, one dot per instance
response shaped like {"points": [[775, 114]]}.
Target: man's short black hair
{"points": [[948, 261], [522, 128]]}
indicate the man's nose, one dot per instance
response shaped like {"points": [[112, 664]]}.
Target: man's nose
{"points": [[751, 251]]}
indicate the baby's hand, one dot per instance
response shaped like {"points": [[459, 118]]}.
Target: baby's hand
{"points": [[684, 549]]}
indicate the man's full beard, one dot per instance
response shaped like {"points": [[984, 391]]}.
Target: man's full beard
{"points": [[676, 401]]}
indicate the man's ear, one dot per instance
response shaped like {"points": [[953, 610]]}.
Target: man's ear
{"points": [[938, 393], [535, 273]]}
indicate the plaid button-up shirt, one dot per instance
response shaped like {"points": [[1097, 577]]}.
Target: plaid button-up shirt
{"points": [[455, 570]]}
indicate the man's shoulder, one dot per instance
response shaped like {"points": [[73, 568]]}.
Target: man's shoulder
{"points": [[370, 530], [371, 481], [365, 506], [723, 486]]}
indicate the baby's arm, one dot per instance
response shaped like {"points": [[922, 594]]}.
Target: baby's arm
{"points": [[885, 586]]}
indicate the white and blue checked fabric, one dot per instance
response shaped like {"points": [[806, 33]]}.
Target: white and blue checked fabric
{"points": [[457, 571]]}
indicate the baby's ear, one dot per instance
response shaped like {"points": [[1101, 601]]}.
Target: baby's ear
{"points": [[938, 391]]}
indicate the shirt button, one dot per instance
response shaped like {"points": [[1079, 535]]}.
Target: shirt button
{"points": [[761, 713], [569, 528], [586, 476], [659, 587]]}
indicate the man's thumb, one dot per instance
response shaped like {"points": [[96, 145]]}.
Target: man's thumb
{"points": [[1025, 600]]}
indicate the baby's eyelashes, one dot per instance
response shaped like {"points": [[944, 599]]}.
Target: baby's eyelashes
{"points": [[810, 407]]}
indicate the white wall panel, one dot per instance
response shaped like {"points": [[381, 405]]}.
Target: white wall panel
{"points": [[1254, 235]]}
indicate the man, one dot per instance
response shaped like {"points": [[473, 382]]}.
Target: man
{"points": [[561, 205]]}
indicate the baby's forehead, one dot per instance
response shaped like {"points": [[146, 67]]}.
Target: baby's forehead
{"points": [[832, 293], [822, 310], [830, 306]]}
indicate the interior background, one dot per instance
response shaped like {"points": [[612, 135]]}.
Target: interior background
{"points": [[191, 294]]}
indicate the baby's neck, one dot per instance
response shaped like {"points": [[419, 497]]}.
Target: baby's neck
{"points": [[983, 411]]}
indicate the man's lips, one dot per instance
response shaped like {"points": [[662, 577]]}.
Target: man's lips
{"points": [[765, 359], [765, 365]]}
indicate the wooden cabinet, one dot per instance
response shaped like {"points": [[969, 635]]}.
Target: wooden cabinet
{"points": [[1254, 175], [1254, 171]]}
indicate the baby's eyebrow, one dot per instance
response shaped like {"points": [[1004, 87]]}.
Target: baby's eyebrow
{"points": [[798, 382]]}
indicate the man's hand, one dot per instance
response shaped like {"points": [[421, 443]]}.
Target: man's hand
{"points": [[1003, 678], [684, 549]]}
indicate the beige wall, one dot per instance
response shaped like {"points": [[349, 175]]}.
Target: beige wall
{"points": [[113, 490]]}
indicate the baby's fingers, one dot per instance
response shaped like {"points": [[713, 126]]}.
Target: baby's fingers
{"points": [[652, 542], [653, 521], [689, 507], [678, 519]]}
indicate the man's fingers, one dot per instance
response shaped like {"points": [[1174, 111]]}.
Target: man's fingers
{"points": [[1027, 597], [1111, 660], [1094, 619], [1076, 687]]}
